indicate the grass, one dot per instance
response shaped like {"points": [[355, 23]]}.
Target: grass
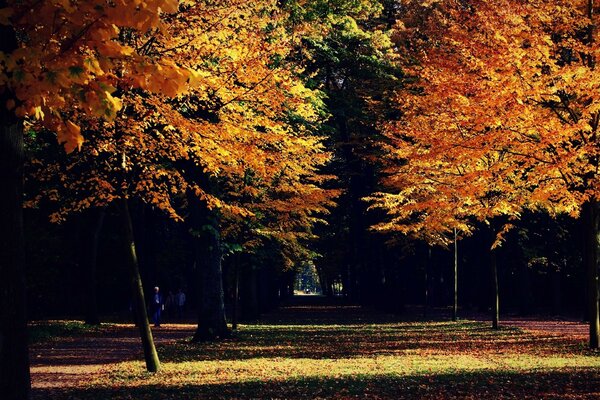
{"points": [[358, 359], [44, 331]]}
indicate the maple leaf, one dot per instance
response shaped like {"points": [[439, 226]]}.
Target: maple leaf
{"points": [[70, 136]]}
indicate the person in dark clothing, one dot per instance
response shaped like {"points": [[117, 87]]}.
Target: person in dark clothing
{"points": [[156, 306]]}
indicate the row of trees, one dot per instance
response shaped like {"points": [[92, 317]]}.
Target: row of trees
{"points": [[198, 109]]}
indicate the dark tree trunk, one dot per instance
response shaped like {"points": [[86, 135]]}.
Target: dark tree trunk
{"points": [[236, 292], [455, 274], [249, 296], [590, 220], [89, 261], [212, 324], [15, 383], [137, 291], [14, 358], [426, 269], [496, 294], [556, 291]]}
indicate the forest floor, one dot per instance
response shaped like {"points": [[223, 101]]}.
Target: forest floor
{"points": [[314, 348]]}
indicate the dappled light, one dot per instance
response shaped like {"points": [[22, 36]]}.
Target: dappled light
{"points": [[334, 350]]}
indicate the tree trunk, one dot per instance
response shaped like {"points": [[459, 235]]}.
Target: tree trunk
{"points": [[496, 298], [250, 305], [590, 220], [236, 292], [212, 324], [426, 265], [455, 303], [14, 358], [15, 382], [556, 291], [89, 263], [137, 291]]}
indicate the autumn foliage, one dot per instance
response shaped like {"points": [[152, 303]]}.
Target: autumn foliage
{"points": [[501, 116]]}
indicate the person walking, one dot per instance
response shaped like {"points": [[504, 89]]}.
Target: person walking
{"points": [[156, 306], [180, 303]]}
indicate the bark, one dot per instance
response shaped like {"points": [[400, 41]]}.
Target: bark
{"points": [[455, 303], [89, 262], [426, 267], [14, 359], [137, 291], [250, 305], [496, 294], [15, 382], [236, 293], [590, 216], [556, 291], [212, 324]]}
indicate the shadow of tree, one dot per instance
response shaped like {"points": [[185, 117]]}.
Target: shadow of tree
{"points": [[573, 384]]}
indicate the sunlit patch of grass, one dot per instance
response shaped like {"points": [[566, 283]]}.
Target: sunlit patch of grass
{"points": [[296, 352], [279, 369], [464, 359]]}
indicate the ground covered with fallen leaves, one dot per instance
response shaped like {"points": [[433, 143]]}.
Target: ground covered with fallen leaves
{"points": [[314, 348]]}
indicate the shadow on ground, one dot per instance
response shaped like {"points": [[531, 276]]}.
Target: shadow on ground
{"points": [[576, 384]]}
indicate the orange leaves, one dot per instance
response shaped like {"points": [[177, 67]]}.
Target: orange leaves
{"points": [[167, 79], [75, 51], [500, 118], [199, 104], [69, 135], [170, 6]]}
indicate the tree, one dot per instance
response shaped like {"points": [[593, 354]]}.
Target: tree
{"points": [[504, 109], [245, 113], [63, 63], [347, 52]]}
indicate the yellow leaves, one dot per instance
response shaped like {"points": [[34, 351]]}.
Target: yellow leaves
{"points": [[69, 135], [197, 77], [501, 121], [38, 113], [167, 79], [113, 104]]}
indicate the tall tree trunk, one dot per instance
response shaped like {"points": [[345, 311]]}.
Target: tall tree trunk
{"points": [[15, 382], [455, 303], [496, 293], [236, 292], [249, 296], [89, 261], [14, 358], [427, 265], [137, 291], [590, 220], [556, 291], [212, 324]]}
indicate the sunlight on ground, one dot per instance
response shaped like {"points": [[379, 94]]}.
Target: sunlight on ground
{"points": [[284, 352], [322, 353]]}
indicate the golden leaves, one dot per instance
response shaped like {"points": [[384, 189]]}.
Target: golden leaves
{"points": [[69, 135], [499, 119]]}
